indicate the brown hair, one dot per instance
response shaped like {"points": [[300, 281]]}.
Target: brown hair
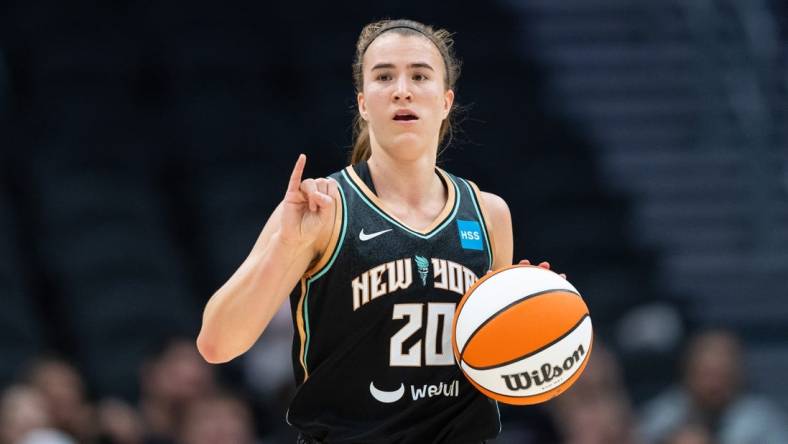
{"points": [[441, 38]]}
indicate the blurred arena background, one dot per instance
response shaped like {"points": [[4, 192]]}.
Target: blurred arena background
{"points": [[642, 147]]}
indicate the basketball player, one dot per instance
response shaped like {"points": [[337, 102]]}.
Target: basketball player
{"points": [[377, 256]]}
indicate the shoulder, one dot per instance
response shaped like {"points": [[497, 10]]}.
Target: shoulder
{"points": [[499, 225], [495, 205], [329, 239], [337, 175], [755, 406], [672, 399], [663, 413]]}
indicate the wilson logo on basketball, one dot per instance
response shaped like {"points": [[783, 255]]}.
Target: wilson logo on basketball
{"points": [[546, 373]]}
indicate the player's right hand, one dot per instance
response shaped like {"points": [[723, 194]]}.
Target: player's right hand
{"points": [[307, 208]]}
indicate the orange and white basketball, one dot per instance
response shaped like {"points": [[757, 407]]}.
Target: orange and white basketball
{"points": [[522, 335]]}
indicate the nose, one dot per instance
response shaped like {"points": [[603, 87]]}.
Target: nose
{"points": [[402, 92]]}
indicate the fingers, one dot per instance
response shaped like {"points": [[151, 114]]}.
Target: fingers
{"points": [[333, 189], [322, 185], [318, 192], [295, 177], [543, 264], [324, 199], [309, 188]]}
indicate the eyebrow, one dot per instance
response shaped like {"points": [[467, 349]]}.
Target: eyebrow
{"points": [[412, 65]]}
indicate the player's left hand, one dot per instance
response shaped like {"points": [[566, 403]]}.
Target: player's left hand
{"points": [[543, 264]]}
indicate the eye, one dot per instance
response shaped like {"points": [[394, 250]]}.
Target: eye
{"points": [[419, 77], [383, 77]]}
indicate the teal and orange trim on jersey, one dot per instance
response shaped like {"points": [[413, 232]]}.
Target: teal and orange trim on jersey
{"points": [[484, 218], [444, 218], [314, 273]]}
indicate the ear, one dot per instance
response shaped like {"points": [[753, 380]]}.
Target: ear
{"points": [[362, 105], [448, 101]]}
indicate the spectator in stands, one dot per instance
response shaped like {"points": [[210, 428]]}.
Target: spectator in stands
{"points": [[268, 372], [219, 418], [24, 418], [119, 423], [596, 410], [64, 391], [711, 394], [171, 379], [689, 433]]}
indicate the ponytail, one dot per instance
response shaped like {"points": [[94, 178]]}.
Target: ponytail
{"points": [[362, 147]]}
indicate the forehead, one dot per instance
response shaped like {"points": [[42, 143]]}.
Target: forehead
{"points": [[395, 48]]}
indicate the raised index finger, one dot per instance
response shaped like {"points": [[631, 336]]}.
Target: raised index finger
{"points": [[295, 176]]}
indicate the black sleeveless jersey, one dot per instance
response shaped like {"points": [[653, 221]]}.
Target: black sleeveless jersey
{"points": [[372, 351]]}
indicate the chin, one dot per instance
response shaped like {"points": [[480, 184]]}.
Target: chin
{"points": [[407, 138], [406, 146]]}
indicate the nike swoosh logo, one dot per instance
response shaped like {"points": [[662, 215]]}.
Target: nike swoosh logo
{"points": [[384, 396], [365, 237]]}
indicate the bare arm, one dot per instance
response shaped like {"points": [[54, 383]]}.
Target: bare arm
{"points": [[294, 236], [499, 221]]}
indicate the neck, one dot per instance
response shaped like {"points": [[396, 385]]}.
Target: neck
{"points": [[413, 180]]}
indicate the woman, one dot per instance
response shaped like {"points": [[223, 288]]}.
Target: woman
{"points": [[379, 255]]}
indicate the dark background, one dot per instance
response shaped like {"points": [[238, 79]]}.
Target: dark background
{"points": [[640, 145]]}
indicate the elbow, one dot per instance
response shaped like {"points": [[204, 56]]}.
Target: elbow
{"points": [[210, 351]]}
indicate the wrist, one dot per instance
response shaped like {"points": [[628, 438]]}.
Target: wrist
{"points": [[285, 249]]}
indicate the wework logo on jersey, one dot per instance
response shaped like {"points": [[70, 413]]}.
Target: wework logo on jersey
{"points": [[398, 275], [546, 373], [447, 389], [451, 389]]}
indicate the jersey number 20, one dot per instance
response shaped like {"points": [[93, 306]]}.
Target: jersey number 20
{"points": [[437, 344]]}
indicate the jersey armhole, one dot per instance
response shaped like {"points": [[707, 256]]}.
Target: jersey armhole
{"points": [[334, 241], [487, 225], [315, 272]]}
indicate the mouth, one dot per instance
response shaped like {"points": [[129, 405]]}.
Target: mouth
{"points": [[405, 116]]}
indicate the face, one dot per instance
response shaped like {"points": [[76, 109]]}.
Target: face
{"points": [[180, 375], [404, 98], [217, 420], [603, 419], [22, 409], [712, 374], [690, 434], [63, 388]]}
